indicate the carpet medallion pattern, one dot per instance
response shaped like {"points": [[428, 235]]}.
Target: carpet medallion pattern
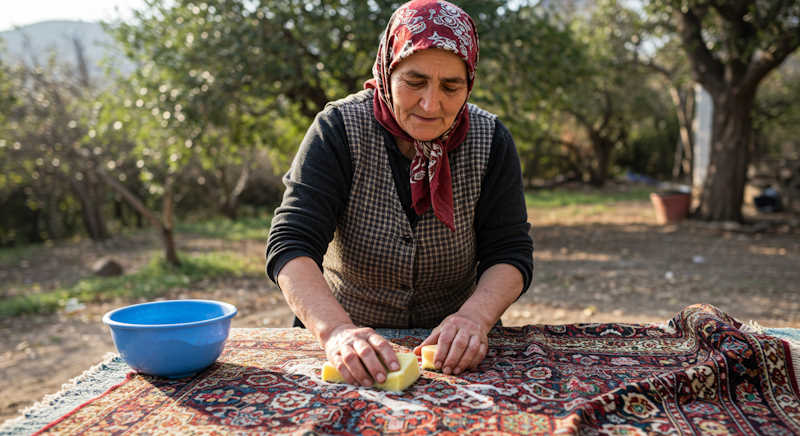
{"points": [[697, 374]]}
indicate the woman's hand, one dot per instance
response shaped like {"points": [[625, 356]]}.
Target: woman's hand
{"points": [[462, 344], [357, 353], [462, 337]]}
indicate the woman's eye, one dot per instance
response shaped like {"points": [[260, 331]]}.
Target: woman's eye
{"points": [[449, 90], [416, 84]]}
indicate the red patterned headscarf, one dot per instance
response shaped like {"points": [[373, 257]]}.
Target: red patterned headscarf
{"points": [[420, 25]]}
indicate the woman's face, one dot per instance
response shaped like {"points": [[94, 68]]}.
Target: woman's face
{"points": [[428, 89]]}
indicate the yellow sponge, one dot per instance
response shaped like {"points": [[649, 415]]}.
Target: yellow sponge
{"points": [[428, 353], [396, 381]]}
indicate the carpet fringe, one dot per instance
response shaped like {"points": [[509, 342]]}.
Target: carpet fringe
{"points": [[752, 326], [794, 354], [49, 398]]}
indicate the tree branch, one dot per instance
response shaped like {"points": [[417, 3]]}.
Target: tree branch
{"points": [[129, 196], [707, 69], [578, 116], [241, 183], [742, 33], [772, 58], [651, 65], [608, 111]]}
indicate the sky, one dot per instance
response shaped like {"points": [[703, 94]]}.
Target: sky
{"points": [[23, 12]]}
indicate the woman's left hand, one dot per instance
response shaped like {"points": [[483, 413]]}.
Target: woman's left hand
{"points": [[462, 344]]}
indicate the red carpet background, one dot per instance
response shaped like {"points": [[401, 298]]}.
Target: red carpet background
{"points": [[699, 373]]}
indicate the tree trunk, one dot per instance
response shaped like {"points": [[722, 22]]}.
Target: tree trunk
{"points": [[683, 99], [690, 108], [88, 217], [230, 206], [723, 190], [90, 210], [164, 225], [97, 210], [35, 232], [602, 148], [54, 220], [170, 253], [168, 226], [119, 212]]}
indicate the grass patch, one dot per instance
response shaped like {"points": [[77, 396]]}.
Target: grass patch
{"points": [[224, 228], [14, 254], [549, 198], [155, 279]]}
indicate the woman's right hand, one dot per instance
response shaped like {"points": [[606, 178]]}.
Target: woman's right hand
{"points": [[357, 353]]}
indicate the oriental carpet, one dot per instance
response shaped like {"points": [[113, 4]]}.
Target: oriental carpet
{"points": [[700, 373]]}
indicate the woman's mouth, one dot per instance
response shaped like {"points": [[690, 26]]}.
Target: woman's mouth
{"points": [[425, 119]]}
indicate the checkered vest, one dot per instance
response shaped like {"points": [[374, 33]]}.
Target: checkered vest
{"points": [[383, 272]]}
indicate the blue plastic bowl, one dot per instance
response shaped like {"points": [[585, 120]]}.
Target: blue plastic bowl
{"points": [[175, 338]]}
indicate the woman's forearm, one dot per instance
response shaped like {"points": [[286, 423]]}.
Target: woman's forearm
{"points": [[310, 297], [498, 287], [358, 353]]}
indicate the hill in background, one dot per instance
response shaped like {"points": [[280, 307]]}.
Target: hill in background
{"points": [[35, 43]]}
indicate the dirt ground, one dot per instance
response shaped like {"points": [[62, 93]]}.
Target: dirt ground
{"points": [[593, 264]]}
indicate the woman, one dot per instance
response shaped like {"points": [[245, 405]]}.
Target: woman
{"points": [[400, 198]]}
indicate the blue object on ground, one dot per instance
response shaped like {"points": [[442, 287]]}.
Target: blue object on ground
{"points": [[639, 178], [175, 338]]}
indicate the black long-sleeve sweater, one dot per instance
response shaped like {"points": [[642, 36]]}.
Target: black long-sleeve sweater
{"points": [[318, 185]]}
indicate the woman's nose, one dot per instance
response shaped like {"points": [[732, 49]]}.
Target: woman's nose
{"points": [[430, 99]]}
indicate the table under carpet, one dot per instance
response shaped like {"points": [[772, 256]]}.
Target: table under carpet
{"points": [[701, 372]]}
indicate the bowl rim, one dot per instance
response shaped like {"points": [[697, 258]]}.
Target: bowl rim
{"points": [[229, 309]]}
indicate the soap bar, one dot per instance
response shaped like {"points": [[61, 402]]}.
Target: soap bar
{"points": [[396, 381], [428, 353]]}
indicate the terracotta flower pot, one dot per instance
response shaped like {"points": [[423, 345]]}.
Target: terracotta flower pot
{"points": [[671, 207]]}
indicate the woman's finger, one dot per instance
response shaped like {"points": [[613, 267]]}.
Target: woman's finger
{"points": [[369, 359], [483, 348], [385, 352], [340, 366], [472, 351], [432, 339], [446, 336], [456, 351], [353, 363]]}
